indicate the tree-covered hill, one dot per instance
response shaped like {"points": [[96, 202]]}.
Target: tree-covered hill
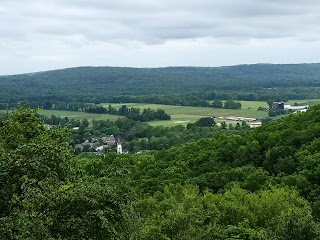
{"points": [[249, 180], [257, 184], [102, 83]]}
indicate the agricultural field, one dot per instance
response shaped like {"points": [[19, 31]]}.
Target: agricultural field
{"points": [[182, 115]]}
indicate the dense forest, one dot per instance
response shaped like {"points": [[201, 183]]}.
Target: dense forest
{"points": [[172, 85], [256, 184]]}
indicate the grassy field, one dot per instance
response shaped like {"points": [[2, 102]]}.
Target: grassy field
{"points": [[179, 114], [186, 114], [252, 104]]}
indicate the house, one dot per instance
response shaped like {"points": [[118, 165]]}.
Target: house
{"points": [[100, 148], [109, 140]]}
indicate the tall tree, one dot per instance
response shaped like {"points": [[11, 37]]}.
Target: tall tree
{"points": [[43, 194]]}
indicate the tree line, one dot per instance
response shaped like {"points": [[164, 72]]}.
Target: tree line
{"points": [[229, 104], [146, 115], [197, 99]]}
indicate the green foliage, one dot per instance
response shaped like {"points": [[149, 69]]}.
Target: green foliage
{"points": [[230, 104], [203, 122], [43, 194], [183, 213], [283, 153], [217, 104], [146, 115], [257, 184], [30, 154], [270, 103]]}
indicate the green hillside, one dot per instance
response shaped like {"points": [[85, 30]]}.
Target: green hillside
{"points": [[102, 84]]}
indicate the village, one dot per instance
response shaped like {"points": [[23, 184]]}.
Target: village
{"points": [[99, 145], [111, 143]]}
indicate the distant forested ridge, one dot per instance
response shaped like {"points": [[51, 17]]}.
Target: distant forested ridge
{"points": [[178, 85]]}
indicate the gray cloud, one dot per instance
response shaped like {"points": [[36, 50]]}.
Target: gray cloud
{"points": [[146, 20], [62, 28]]}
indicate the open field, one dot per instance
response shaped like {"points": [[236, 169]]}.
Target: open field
{"points": [[252, 104], [182, 115]]}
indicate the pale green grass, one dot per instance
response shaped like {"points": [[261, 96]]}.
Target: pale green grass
{"points": [[250, 104], [253, 104]]}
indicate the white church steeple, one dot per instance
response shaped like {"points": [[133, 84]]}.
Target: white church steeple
{"points": [[119, 146]]}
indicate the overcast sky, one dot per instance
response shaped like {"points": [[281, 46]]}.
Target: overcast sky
{"points": [[37, 35]]}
